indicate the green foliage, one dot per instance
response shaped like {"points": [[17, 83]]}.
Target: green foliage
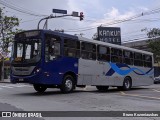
{"points": [[154, 42], [95, 36], [154, 32], [7, 30], [155, 48]]}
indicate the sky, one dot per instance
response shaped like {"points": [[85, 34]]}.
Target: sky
{"points": [[96, 13]]}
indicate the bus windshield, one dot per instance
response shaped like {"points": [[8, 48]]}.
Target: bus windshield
{"points": [[27, 51]]}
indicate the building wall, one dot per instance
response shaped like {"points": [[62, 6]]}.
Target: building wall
{"points": [[141, 45]]}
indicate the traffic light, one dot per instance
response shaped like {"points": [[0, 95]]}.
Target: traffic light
{"points": [[81, 16]]}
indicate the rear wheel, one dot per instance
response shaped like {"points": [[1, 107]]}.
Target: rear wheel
{"points": [[102, 88], [68, 84], [127, 84], [39, 88]]}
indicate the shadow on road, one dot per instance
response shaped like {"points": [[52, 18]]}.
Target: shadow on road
{"points": [[81, 91]]}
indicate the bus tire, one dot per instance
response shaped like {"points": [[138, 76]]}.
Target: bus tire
{"points": [[102, 88], [127, 84], [68, 84], [39, 88]]}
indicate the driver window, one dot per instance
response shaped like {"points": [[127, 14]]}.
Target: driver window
{"points": [[52, 47]]}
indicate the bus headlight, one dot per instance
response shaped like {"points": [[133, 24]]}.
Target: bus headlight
{"points": [[37, 70]]}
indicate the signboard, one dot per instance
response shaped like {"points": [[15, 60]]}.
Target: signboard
{"points": [[59, 11], [109, 34]]}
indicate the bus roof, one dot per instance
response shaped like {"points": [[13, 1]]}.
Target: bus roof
{"points": [[93, 41], [61, 34]]}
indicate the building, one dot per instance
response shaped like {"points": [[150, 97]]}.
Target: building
{"points": [[141, 45]]}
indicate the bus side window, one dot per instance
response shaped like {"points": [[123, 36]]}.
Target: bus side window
{"points": [[116, 55], [88, 51], [127, 57], [52, 47], [71, 48], [103, 53], [138, 61], [147, 60]]}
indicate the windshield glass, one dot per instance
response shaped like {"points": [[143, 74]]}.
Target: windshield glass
{"points": [[28, 51]]}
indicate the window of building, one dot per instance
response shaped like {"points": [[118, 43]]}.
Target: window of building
{"points": [[71, 48], [88, 51], [116, 55], [103, 53]]}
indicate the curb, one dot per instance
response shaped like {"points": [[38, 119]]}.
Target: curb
{"points": [[4, 82]]}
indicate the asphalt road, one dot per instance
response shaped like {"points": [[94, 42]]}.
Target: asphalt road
{"points": [[22, 97]]}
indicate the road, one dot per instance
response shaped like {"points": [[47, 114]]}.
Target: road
{"points": [[22, 97]]}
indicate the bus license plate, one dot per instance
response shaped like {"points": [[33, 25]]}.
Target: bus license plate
{"points": [[21, 79]]}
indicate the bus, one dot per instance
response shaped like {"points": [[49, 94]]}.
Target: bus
{"points": [[50, 59]]}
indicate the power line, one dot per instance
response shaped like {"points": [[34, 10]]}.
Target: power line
{"points": [[116, 21], [26, 11], [105, 24], [131, 19], [29, 20], [139, 39], [20, 9]]}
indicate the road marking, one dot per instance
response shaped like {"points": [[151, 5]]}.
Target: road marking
{"points": [[122, 93], [155, 90], [14, 86], [19, 85], [135, 95], [6, 86]]}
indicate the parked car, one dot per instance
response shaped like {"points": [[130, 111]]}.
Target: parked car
{"points": [[157, 80]]}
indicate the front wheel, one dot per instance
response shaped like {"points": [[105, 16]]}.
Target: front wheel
{"points": [[39, 88], [68, 84]]}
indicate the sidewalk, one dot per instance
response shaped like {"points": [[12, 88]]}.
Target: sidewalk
{"points": [[5, 81]]}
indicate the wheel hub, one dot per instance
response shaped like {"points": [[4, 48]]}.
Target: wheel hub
{"points": [[68, 84]]}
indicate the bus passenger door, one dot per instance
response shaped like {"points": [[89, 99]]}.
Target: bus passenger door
{"points": [[52, 58]]}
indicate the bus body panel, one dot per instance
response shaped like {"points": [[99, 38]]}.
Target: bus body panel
{"points": [[51, 73], [93, 73], [59, 68], [101, 73]]}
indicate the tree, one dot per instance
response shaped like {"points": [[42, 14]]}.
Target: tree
{"points": [[95, 36], [8, 29], [154, 42]]}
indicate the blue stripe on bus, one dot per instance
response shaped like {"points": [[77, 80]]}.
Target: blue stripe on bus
{"points": [[116, 68]]}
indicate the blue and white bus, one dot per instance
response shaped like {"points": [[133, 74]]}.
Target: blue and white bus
{"points": [[50, 59]]}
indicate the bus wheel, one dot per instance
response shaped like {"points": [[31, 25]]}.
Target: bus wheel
{"points": [[102, 88], [39, 88], [68, 84], [127, 84]]}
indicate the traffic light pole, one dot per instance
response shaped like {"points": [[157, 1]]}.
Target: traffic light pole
{"points": [[50, 17]]}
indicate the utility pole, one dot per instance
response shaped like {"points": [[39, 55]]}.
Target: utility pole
{"points": [[64, 12], [49, 17]]}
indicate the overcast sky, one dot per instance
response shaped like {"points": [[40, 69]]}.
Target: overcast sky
{"points": [[96, 12]]}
